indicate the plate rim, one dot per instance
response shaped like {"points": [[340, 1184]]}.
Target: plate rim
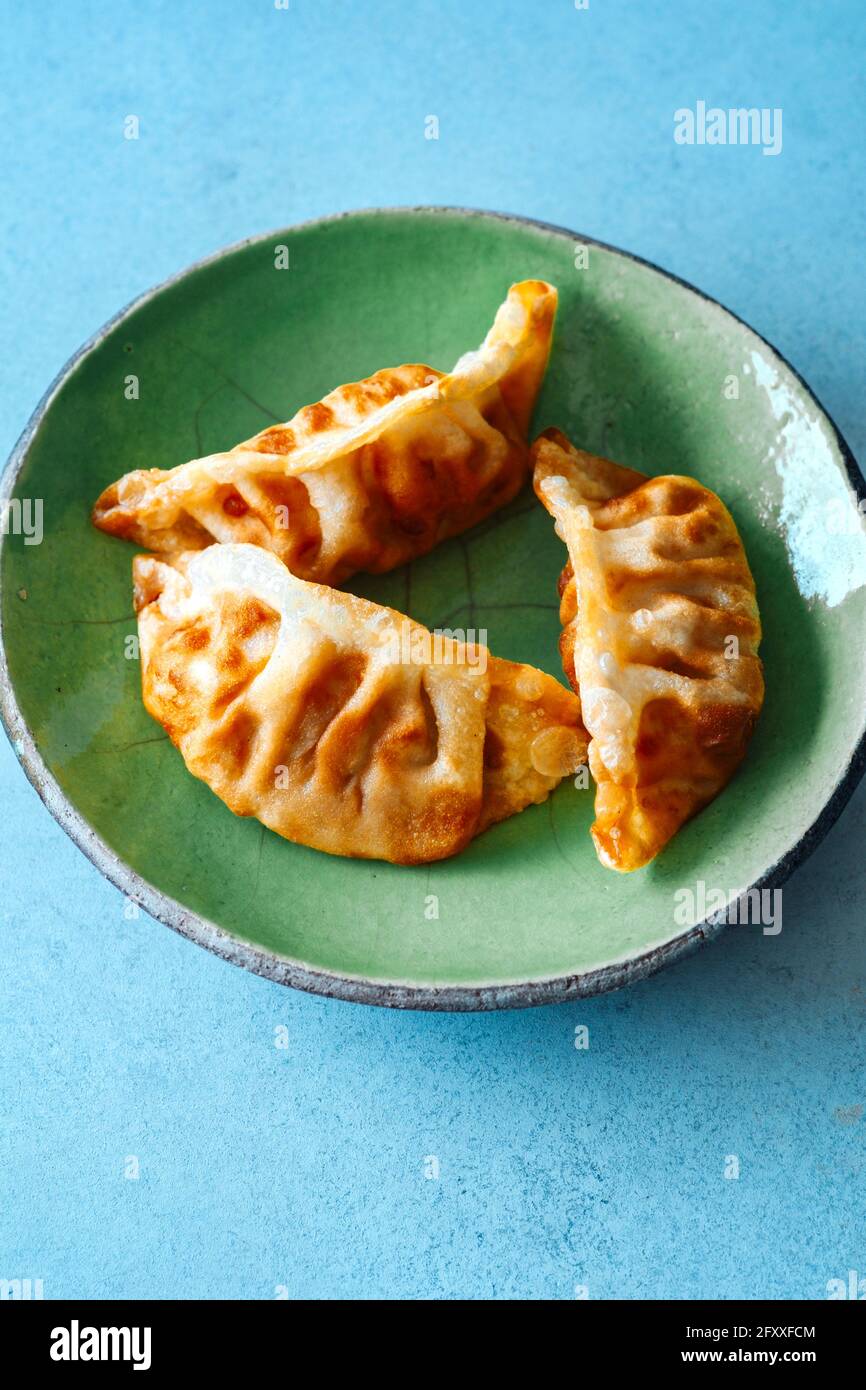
{"points": [[282, 969]]}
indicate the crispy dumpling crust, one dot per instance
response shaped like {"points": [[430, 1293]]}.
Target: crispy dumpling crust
{"points": [[293, 703], [656, 587], [376, 473]]}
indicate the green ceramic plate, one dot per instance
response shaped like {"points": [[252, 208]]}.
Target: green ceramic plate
{"points": [[645, 370]]}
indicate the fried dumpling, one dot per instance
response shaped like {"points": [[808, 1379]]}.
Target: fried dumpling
{"points": [[339, 723], [661, 634], [376, 473]]}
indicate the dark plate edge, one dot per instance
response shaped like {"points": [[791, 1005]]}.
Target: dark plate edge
{"points": [[280, 969]]}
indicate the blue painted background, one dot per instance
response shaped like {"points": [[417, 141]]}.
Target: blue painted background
{"points": [[304, 1167]]}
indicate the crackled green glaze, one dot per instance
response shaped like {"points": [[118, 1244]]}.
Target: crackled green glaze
{"points": [[638, 372]]}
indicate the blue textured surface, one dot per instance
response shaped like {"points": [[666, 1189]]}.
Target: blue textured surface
{"points": [[304, 1166]]}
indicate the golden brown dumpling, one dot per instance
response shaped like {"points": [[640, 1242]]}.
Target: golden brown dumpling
{"points": [[338, 723], [376, 473], [661, 634]]}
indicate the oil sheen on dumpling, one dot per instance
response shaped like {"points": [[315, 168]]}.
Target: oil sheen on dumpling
{"points": [[374, 474], [338, 723], [660, 637]]}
